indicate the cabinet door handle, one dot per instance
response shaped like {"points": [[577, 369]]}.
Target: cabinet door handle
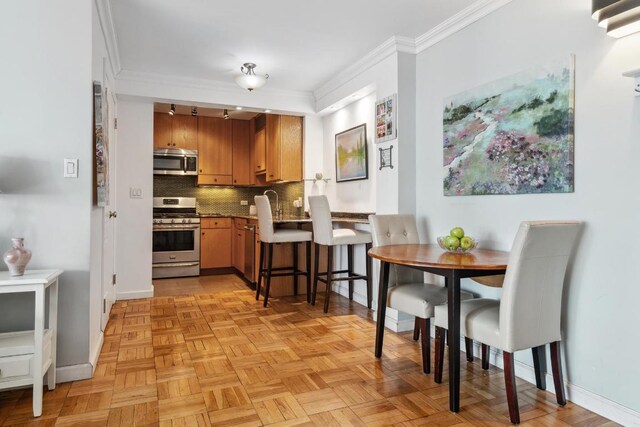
{"points": [[200, 170]]}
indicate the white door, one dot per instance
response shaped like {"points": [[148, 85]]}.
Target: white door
{"points": [[109, 212]]}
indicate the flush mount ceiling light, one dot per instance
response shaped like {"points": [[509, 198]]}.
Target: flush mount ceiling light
{"points": [[249, 79], [194, 111], [225, 114], [172, 111], [619, 17]]}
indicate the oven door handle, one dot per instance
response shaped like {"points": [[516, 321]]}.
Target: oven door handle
{"points": [[176, 264], [184, 227]]}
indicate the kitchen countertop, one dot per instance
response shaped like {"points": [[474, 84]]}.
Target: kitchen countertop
{"points": [[344, 217]]}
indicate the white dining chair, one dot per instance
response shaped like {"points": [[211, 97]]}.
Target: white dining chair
{"points": [[325, 235], [269, 236], [528, 315], [408, 291]]}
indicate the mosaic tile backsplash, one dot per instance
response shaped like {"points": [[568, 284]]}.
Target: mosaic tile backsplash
{"points": [[225, 200]]}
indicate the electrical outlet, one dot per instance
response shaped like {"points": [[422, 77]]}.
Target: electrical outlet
{"points": [[244, 203], [135, 193]]}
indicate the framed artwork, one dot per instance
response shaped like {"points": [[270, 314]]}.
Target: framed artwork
{"points": [[512, 136], [351, 154], [386, 119], [101, 145]]}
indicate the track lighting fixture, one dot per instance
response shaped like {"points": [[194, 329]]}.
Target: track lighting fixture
{"points": [[172, 111], [194, 111], [226, 114]]}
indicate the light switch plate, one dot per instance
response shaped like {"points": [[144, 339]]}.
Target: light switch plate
{"points": [[135, 193], [70, 168]]}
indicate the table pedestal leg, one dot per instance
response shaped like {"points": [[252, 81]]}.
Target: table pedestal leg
{"points": [[382, 306], [453, 289], [53, 327], [38, 335]]}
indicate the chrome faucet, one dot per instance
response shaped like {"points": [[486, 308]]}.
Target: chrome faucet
{"points": [[278, 208]]}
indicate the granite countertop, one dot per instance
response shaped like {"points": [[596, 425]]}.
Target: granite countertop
{"points": [[345, 217]]}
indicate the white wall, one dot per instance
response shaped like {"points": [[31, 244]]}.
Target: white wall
{"points": [[134, 226], [600, 342], [45, 116]]}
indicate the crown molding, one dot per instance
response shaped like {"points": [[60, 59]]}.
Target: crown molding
{"points": [[457, 22], [108, 31], [477, 10]]}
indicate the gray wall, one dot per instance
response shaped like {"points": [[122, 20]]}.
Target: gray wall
{"points": [[45, 116], [600, 311]]}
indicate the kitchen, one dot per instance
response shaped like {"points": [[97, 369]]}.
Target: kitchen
{"points": [[209, 163]]}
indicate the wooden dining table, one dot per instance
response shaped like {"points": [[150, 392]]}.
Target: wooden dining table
{"points": [[453, 267]]}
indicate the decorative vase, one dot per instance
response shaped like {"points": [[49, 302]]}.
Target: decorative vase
{"points": [[17, 257]]}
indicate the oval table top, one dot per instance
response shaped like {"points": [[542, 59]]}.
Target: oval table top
{"points": [[425, 255]]}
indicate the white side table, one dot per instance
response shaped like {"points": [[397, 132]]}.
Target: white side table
{"points": [[26, 356]]}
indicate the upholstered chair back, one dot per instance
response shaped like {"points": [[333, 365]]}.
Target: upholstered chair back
{"points": [[531, 301], [321, 219], [396, 230], [265, 218]]}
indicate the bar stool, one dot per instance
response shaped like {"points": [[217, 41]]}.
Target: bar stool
{"points": [[270, 236], [325, 235]]}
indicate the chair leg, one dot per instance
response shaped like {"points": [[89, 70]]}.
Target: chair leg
{"points": [[556, 368], [416, 329], [316, 262], [261, 266], [369, 269], [308, 256], [485, 356], [510, 384], [269, 266], [468, 346], [329, 277], [350, 269], [295, 269], [425, 326], [439, 354], [540, 366]]}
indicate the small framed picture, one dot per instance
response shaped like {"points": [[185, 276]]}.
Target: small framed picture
{"points": [[386, 118]]}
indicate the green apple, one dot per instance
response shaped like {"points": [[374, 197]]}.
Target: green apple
{"points": [[452, 242], [457, 232], [466, 243]]}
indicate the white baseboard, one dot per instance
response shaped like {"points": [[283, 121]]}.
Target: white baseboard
{"points": [[576, 394], [93, 358], [134, 295], [65, 374]]}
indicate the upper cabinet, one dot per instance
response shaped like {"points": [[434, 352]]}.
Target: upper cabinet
{"points": [[283, 148], [241, 152], [177, 131], [215, 151]]}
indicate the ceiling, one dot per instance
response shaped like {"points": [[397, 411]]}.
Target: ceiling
{"points": [[160, 107], [301, 44]]}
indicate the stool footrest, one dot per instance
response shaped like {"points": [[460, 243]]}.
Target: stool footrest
{"points": [[341, 279]]}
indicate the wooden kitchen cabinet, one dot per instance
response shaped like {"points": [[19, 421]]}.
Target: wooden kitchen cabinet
{"points": [[177, 131], [215, 243], [215, 151], [162, 129], [184, 132], [283, 148], [260, 161], [241, 152]]}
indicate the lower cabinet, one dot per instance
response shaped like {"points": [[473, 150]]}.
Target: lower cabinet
{"points": [[215, 243]]}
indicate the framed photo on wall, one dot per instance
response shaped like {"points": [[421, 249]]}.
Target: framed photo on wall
{"points": [[386, 118], [351, 154]]}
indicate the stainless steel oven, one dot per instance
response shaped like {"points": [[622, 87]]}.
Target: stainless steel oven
{"points": [[176, 237], [167, 161]]}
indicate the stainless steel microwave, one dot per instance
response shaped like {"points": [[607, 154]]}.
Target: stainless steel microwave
{"points": [[168, 161]]}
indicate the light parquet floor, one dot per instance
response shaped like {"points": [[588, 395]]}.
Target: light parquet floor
{"points": [[221, 359]]}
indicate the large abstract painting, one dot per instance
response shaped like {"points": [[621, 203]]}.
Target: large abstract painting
{"points": [[512, 136]]}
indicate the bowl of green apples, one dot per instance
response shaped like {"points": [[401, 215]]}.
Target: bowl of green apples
{"points": [[457, 242]]}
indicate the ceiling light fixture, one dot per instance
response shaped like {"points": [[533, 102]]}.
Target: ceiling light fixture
{"points": [[238, 108], [172, 111], [619, 17], [194, 111], [267, 111], [249, 79], [225, 114]]}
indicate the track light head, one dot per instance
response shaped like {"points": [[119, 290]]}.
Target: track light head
{"points": [[172, 111]]}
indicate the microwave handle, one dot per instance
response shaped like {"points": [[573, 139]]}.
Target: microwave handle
{"points": [[184, 164]]}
